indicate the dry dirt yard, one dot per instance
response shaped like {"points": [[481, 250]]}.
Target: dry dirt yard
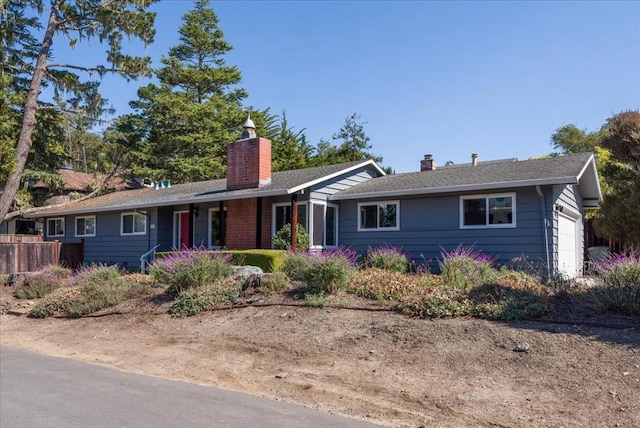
{"points": [[358, 360]]}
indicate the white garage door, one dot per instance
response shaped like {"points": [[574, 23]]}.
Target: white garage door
{"points": [[568, 251]]}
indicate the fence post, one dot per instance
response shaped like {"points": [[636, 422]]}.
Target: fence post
{"points": [[56, 249], [19, 261]]}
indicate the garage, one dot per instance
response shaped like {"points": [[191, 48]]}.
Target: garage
{"points": [[569, 250]]}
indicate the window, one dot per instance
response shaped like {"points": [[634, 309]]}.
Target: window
{"points": [[86, 226], [55, 227], [379, 216], [217, 227], [133, 224], [282, 215], [488, 211]]}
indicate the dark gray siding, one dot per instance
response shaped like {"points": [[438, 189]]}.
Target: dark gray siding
{"points": [[342, 182], [429, 225]]}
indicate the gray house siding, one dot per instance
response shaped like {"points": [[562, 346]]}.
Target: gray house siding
{"points": [[429, 225]]}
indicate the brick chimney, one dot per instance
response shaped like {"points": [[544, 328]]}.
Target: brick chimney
{"points": [[249, 160], [428, 163]]}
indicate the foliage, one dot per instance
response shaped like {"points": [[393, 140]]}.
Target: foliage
{"points": [[617, 217], [43, 282], [276, 282], [290, 149], [28, 60], [387, 285], [464, 267], [267, 260], [321, 271], [186, 269], [186, 120], [387, 257], [354, 144], [618, 284], [281, 240], [92, 288], [315, 299], [193, 301]]}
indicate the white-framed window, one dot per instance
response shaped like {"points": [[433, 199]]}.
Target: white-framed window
{"points": [[382, 215], [492, 211], [281, 215], [133, 224], [217, 227], [86, 226], [55, 226]]}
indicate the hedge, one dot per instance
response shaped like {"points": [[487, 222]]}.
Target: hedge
{"points": [[267, 260]]}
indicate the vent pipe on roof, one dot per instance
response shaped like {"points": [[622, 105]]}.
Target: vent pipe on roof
{"points": [[474, 159]]}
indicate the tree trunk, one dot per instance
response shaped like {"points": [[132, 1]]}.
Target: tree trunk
{"points": [[29, 118]]}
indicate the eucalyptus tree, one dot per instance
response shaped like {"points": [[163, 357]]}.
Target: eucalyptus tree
{"points": [[74, 21]]}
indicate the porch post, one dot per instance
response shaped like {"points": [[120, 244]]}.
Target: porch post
{"points": [[294, 222], [221, 223]]}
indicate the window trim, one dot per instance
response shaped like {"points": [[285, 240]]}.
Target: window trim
{"points": [[132, 213], [486, 197], [276, 205], [378, 228], [211, 211], [49, 229], [75, 229], [336, 207]]}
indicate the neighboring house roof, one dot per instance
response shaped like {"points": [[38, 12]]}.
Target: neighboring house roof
{"points": [[579, 169], [282, 183], [77, 181]]}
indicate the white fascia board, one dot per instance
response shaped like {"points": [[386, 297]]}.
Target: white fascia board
{"points": [[455, 189], [335, 174]]}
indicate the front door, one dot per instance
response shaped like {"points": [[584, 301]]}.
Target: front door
{"points": [[183, 234]]}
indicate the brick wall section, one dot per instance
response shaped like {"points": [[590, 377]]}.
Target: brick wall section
{"points": [[241, 224], [248, 163]]}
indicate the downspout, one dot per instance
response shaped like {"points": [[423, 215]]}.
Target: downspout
{"points": [[543, 212]]}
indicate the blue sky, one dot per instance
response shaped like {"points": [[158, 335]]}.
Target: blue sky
{"points": [[440, 78]]}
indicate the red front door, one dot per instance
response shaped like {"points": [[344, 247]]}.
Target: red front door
{"points": [[184, 230]]}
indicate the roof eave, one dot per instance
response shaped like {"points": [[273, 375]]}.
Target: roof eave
{"points": [[454, 189]]}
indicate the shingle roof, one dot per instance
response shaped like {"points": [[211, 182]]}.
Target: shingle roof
{"points": [[282, 183], [486, 175]]}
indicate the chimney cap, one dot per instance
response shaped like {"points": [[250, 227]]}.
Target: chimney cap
{"points": [[249, 128], [428, 156]]}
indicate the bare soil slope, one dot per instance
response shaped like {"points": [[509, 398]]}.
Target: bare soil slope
{"points": [[367, 363]]}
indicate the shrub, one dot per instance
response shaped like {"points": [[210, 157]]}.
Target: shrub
{"points": [[437, 302], [43, 282], [282, 238], [323, 271], [94, 288], [267, 260], [388, 258], [196, 300], [511, 296], [190, 268], [276, 282], [465, 268], [385, 285], [618, 284], [315, 300]]}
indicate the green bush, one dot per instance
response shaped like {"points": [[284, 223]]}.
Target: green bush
{"points": [[94, 288], [465, 268], [190, 269], [282, 238], [324, 271], [43, 282], [276, 282], [387, 258], [196, 300], [618, 285], [315, 300]]}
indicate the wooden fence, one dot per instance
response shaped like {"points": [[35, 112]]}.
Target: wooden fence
{"points": [[26, 253]]}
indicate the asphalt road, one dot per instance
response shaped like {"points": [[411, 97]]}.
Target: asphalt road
{"points": [[40, 390]]}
